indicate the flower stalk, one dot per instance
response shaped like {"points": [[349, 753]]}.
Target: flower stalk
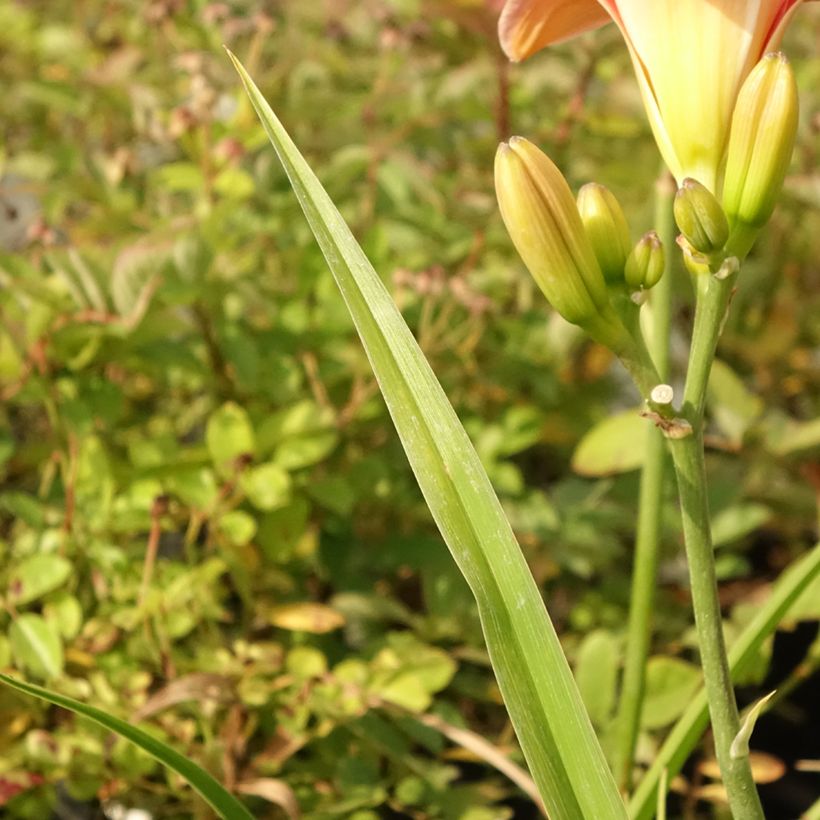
{"points": [[724, 117], [647, 536]]}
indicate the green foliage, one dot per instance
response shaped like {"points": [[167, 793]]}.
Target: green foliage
{"points": [[158, 277], [216, 796]]}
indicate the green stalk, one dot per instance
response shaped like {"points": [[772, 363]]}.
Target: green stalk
{"points": [[690, 467], [645, 566], [687, 731], [713, 297]]}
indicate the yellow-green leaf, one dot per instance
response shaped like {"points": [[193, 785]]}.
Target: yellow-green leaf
{"points": [[36, 646], [307, 617], [615, 445], [37, 576]]}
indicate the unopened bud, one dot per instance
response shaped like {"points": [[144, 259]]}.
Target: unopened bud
{"points": [[700, 218], [544, 224], [764, 127], [607, 229], [646, 264]]}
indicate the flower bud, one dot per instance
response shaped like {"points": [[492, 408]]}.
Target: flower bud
{"points": [[544, 224], [764, 128], [700, 218], [607, 229], [646, 264]]}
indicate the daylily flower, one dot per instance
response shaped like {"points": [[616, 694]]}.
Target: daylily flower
{"points": [[690, 56]]}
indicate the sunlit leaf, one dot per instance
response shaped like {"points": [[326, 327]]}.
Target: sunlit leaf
{"points": [[306, 617], [36, 646], [546, 709], [615, 445], [37, 576]]}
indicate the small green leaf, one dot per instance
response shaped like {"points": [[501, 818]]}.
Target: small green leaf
{"points": [[194, 485], [225, 804], [334, 493], [670, 685], [37, 576], [229, 434], [303, 418], [36, 646], [238, 527], [734, 408], [267, 486], [234, 183], [66, 614], [306, 617], [784, 436], [408, 672], [302, 451], [738, 521], [306, 662], [25, 507], [615, 445], [596, 670]]}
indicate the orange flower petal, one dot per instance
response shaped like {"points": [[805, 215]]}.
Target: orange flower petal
{"points": [[526, 26]]}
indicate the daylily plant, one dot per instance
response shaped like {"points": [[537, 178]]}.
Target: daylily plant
{"points": [[690, 56]]}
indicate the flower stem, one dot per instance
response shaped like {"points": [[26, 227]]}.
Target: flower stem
{"points": [[687, 453], [645, 566], [713, 297]]}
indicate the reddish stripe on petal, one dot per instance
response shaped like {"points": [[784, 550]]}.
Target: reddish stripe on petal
{"points": [[779, 24]]}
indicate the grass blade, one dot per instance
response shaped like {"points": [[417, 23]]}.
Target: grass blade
{"points": [[553, 728], [220, 800], [692, 724]]}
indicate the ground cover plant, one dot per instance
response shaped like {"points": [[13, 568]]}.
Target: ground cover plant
{"points": [[209, 526]]}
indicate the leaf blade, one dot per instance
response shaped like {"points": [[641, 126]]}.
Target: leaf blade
{"points": [[546, 709], [224, 803]]}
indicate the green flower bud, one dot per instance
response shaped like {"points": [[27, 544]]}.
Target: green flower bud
{"points": [[700, 218], [764, 127], [607, 229], [646, 264], [544, 224]]}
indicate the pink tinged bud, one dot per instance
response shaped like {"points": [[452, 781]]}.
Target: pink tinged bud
{"points": [[607, 229], [646, 263], [762, 139], [542, 219]]}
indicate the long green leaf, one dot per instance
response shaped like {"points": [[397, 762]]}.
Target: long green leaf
{"points": [[224, 803], [546, 710], [692, 724]]}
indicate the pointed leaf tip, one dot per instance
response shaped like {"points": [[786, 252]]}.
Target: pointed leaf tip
{"points": [[740, 745]]}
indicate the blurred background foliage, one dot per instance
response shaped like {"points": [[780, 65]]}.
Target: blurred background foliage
{"points": [[206, 521]]}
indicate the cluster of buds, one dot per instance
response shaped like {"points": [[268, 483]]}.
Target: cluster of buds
{"points": [[542, 218], [580, 253], [637, 268]]}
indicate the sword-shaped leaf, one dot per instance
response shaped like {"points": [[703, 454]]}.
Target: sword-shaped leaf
{"points": [[549, 717]]}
